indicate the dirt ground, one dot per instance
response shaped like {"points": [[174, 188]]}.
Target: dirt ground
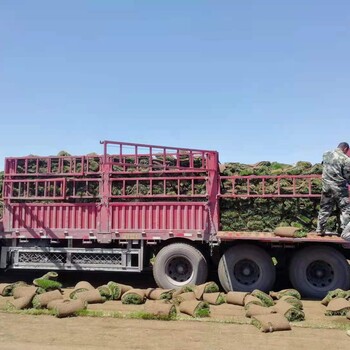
{"points": [[226, 328]]}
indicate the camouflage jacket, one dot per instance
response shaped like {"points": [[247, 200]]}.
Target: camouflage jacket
{"points": [[336, 169]]}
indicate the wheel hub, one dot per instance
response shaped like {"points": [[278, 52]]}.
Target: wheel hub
{"points": [[320, 274], [179, 270], [246, 272]]}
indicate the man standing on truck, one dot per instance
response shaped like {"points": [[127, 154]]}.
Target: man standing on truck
{"points": [[335, 180]]}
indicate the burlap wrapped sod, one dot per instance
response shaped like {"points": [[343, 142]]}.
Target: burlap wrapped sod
{"points": [[293, 301], [333, 294], [287, 231], [195, 308], [90, 297], [105, 292], [265, 298], [271, 323], [116, 290], [6, 289], [236, 298], [183, 297], [69, 307], [289, 292], [22, 291], [20, 303], [250, 299]]}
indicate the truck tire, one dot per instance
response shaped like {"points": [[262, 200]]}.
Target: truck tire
{"points": [[314, 271], [246, 267], [179, 264]]}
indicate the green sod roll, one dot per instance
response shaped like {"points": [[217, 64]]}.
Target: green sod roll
{"points": [[293, 301], [6, 289], [338, 307], [291, 313], [20, 303], [91, 297], [51, 275], [250, 299], [41, 300], [290, 292], [85, 285], [333, 294], [236, 298], [195, 308], [214, 298], [52, 304], [22, 291], [184, 289], [159, 293], [115, 289], [124, 288], [265, 298], [47, 284], [105, 292], [254, 310], [177, 300], [160, 308], [69, 308], [271, 323], [209, 287], [134, 296]]}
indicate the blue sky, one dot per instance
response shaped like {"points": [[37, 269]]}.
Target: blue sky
{"points": [[255, 80]]}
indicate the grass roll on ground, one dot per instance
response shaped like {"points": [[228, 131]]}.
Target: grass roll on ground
{"points": [[69, 308], [159, 293], [333, 294], [47, 284], [91, 297], [134, 296], [338, 307], [250, 299], [293, 301], [105, 292], [236, 298], [21, 303], [271, 323], [254, 310], [116, 290], [82, 286], [52, 304], [209, 287], [160, 309], [22, 291], [6, 289], [195, 308], [183, 297], [265, 298], [41, 300], [289, 311], [184, 289], [290, 292], [217, 298]]}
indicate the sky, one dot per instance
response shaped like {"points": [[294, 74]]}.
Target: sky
{"points": [[255, 80]]}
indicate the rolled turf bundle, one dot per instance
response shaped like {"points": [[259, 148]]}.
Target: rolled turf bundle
{"points": [[90, 297], [41, 300], [271, 323], [47, 284], [82, 286], [338, 307], [250, 299], [52, 304], [209, 287], [265, 298], [105, 292], [20, 303], [134, 296], [214, 298], [24, 291], [254, 310], [289, 311], [333, 294], [69, 308], [289, 231], [195, 308], [6, 289], [184, 289], [160, 308], [183, 297], [115, 289], [159, 293], [236, 298], [51, 275], [293, 301], [124, 288], [290, 292]]}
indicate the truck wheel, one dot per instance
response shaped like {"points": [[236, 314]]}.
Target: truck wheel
{"points": [[179, 264], [246, 267], [314, 271]]}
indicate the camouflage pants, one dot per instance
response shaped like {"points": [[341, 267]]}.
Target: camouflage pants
{"points": [[330, 198]]}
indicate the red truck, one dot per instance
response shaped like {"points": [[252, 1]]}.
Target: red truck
{"points": [[137, 206]]}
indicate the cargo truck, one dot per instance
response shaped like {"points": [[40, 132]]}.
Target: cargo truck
{"points": [[137, 206]]}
